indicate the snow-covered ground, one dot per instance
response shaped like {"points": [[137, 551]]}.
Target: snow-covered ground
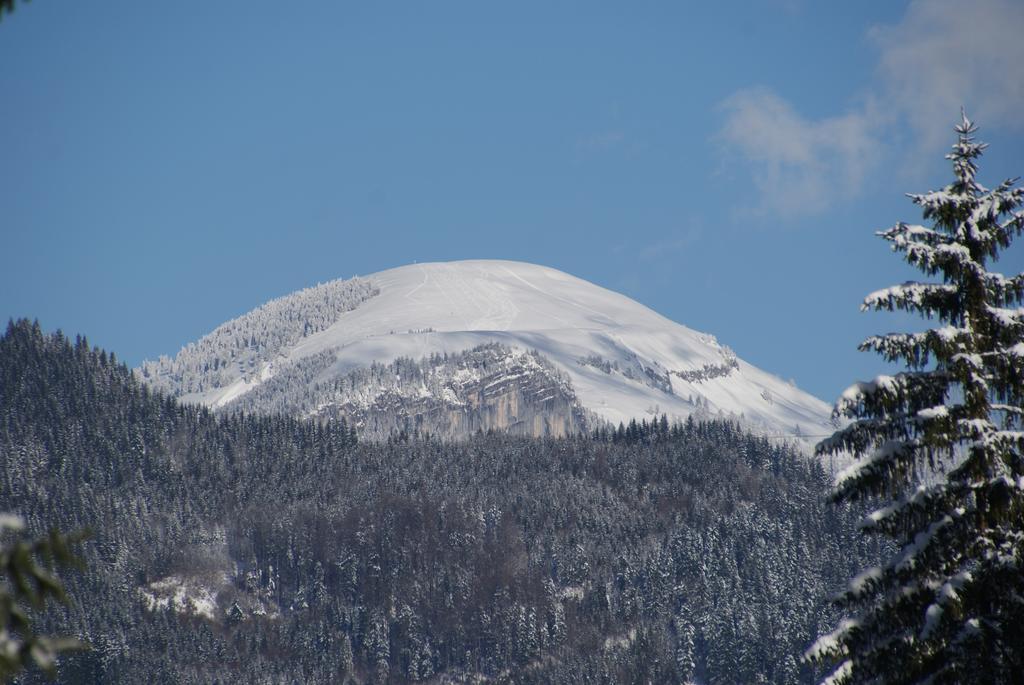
{"points": [[186, 595], [624, 360]]}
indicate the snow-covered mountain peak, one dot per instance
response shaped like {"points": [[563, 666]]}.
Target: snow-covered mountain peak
{"points": [[498, 295], [622, 359]]}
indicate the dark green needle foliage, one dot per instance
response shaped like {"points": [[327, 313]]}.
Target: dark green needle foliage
{"points": [[27, 582], [6, 7]]}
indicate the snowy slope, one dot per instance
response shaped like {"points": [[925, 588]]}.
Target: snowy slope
{"points": [[623, 359]]}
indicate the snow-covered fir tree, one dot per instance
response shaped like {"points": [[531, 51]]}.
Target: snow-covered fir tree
{"points": [[940, 446]]}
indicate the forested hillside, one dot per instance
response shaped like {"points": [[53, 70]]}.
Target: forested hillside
{"points": [[245, 548], [242, 347]]}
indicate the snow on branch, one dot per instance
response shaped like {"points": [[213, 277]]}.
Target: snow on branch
{"points": [[1006, 317], [887, 395], [917, 348], [948, 594], [833, 643], [876, 471], [908, 557], [840, 675], [927, 298], [887, 518]]}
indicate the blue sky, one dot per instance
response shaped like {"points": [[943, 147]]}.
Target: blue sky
{"points": [[162, 171]]}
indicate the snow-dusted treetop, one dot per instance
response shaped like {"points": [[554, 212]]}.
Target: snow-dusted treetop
{"points": [[233, 351]]}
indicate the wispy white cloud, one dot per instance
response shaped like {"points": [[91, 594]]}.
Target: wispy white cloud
{"points": [[945, 54], [941, 55], [800, 166]]}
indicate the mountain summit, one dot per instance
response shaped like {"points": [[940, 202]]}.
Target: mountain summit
{"points": [[454, 347]]}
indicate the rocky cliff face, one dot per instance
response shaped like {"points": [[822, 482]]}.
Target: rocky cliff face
{"points": [[490, 387]]}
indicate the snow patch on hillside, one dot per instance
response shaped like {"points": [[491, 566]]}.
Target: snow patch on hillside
{"points": [[185, 595]]}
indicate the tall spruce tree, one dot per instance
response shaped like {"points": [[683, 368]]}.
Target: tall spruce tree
{"points": [[940, 446]]}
